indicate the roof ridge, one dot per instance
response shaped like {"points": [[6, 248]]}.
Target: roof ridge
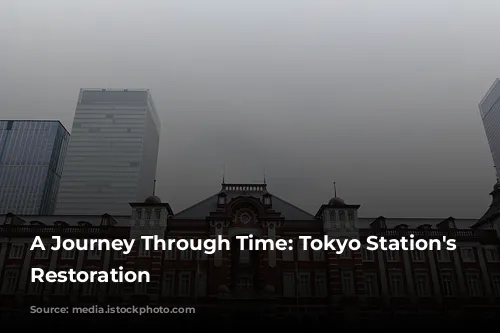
{"points": [[290, 204], [196, 204]]}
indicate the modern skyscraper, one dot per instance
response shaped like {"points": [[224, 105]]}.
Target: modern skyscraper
{"points": [[490, 113], [31, 162], [112, 154]]}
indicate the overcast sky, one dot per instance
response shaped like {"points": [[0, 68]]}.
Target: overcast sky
{"points": [[380, 96]]}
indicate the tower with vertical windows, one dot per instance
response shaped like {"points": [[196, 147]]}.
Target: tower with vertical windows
{"points": [[113, 152], [489, 108], [149, 218], [32, 154]]}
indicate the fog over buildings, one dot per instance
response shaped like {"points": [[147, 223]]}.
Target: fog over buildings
{"points": [[381, 97]]}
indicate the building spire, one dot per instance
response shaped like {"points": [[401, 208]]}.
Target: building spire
{"points": [[334, 189], [154, 187], [224, 174], [264, 176]]}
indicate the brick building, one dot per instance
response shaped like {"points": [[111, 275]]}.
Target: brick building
{"points": [[294, 282]]}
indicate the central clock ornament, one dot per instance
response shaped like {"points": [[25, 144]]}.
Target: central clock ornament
{"points": [[244, 216]]}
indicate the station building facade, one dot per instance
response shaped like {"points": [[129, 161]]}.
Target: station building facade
{"points": [[296, 282]]}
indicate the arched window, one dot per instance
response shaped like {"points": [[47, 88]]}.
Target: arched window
{"points": [[350, 216], [342, 216]]}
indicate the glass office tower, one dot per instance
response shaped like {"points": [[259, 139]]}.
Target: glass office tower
{"points": [[112, 154], [490, 113], [31, 161]]}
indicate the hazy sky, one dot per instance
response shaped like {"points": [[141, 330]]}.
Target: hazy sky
{"points": [[380, 96]]}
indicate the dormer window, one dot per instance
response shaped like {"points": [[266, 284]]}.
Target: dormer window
{"points": [[350, 216], [333, 216], [342, 216], [157, 214], [148, 214], [267, 200], [222, 199]]}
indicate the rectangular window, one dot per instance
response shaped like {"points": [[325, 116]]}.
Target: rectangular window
{"points": [[42, 254], [473, 284], [319, 255], [202, 284], [396, 284], [422, 284], [392, 256], [244, 283], [304, 284], [417, 256], [170, 254], [141, 288], [119, 255], [62, 288], [116, 289], [287, 255], [467, 254], [346, 254], [168, 283], [184, 283], [244, 256], [320, 285], [495, 281], [492, 255], [142, 250], [367, 255], [68, 254], [16, 251], [443, 255], [447, 284], [289, 285], [94, 254], [187, 254], [90, 288], [371, 285], [9, 284], [347, 283], [303, 255], [35, 288]]}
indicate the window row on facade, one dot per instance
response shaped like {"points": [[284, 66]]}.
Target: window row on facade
{"points": [[302, 284]]}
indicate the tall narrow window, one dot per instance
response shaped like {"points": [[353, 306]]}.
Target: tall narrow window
{"points": [[289, 284], [168, 283], [184, 283], [396, 284], [303, 255], [473, 284], [304, 285], [422, 284], [371, 286], [320, 285], [347, 283], [447, 284]]}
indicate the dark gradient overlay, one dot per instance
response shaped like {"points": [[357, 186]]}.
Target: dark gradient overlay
{"points": [[238, 289]]}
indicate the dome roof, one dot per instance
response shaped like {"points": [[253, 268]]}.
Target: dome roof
{"points": [[337, 202], [153, 199]]}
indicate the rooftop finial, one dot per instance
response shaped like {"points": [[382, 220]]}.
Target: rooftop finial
{"points": [[224, 174], [334, 189], [264, 175], [154, 187]]}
